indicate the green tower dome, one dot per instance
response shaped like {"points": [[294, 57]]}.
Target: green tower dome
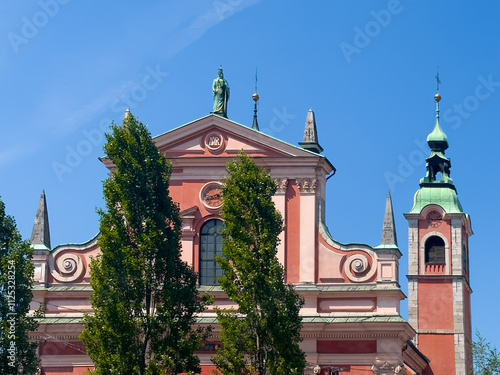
{"points": [[437, 140], [437, 186]]}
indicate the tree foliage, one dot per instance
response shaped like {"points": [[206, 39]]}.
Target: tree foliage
{"points": [[17, 354], [263, 334], [145, 297], [486, 357]]}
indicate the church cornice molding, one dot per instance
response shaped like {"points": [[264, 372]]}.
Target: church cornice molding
{"points": [[354, 336], [55, 337]]}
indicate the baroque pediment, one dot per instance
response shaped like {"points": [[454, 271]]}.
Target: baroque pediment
{"points": [[217, 136]]}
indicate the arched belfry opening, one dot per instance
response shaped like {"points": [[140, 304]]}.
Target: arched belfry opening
{"points": [[435, 251]]}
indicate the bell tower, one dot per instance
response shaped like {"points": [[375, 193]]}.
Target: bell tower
{"points": [[439, 286]]}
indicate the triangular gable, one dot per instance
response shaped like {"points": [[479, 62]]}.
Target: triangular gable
{"points": [[215, 135]]}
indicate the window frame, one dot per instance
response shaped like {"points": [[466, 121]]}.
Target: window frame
{"points": [[211, 245]]}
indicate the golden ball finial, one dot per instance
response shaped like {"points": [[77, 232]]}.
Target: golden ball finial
{"points": [[437, 98], [255, 97]]}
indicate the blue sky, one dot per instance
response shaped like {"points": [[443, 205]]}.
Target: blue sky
{"points": [[366, 68]]}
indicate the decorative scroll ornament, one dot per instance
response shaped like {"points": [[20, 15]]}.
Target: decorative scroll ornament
{"points": [[66, 267], [357, 268], [389, 369], [281, 185], [307, 184]]}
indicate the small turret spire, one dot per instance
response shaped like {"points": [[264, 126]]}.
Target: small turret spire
{"points": [[40, 238], [311, 134], [389, 238], [255, 98], [437, 186], [437, 140], [437, 97], [127, 113]]}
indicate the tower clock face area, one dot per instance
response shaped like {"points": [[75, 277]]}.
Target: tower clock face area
{"points": [[434, 219]]}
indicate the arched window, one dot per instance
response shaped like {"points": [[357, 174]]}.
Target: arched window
{"points": [[210, 246], [434, 251]]}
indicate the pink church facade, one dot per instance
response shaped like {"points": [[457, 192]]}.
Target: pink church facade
{"points": [[351, 316]]}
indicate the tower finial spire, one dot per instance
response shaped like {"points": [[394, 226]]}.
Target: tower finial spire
{"points": [[255, 98], [437, 139], [437, 97]]}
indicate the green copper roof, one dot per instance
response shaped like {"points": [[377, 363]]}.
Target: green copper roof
{"points": [[305, 319], [445, 197], [437, 140]]}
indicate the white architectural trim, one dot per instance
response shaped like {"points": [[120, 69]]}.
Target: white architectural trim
{"points": [[446, 251]]}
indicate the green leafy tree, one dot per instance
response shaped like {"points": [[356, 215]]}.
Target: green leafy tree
{"points": [[486, 357], [262, 336], [145, 297], [17, 354]]}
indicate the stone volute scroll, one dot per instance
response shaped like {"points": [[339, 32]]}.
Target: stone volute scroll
{"points": [[360, 268], [66, 267]]}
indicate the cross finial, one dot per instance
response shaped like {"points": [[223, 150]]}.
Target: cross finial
{"points": [[255, 98], [255, 79], [438, 81]]}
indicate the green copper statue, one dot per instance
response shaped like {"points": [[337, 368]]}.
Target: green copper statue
{"points": [[221, 94]]}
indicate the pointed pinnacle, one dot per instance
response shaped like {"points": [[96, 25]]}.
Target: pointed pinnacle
{"points": [[310, 141], [41, 231], [311, 133], [389, 232]]}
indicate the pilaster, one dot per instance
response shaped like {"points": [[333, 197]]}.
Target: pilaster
{"points": [[188, 232], [413, 306], [307, 188], [413, 253], [280, 203], [459, 324], [40, 263], [460, 354], [456, 246]]}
